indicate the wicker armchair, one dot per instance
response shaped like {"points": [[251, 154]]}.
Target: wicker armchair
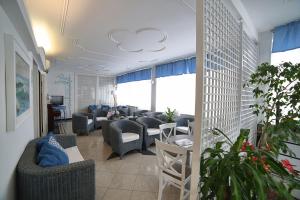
{"points": [[65, 182], [151, 129], [182, 124], [106, 130], [125, 135], [140, 113], [82, 123], [123, 110], [99, 116]]}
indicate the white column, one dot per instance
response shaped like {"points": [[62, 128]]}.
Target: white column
{"points": [[199, 99]]}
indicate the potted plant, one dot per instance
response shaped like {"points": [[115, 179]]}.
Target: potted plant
{"points": [[242, 171], [277, 90], [170, 115]]}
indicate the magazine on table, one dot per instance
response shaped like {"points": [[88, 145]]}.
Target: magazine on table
{"points": [[184, 143]]}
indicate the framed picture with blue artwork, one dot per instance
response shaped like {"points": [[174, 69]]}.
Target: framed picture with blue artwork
{"points": [[18, 65]]}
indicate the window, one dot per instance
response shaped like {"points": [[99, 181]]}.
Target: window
{"points": [[136, 93], [286, 56], [176, 92]]}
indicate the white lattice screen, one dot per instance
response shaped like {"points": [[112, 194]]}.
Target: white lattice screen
{"points": [[222, 106], [250, 58]]}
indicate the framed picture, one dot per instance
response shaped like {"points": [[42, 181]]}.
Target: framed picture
{"points": [[18, 65]]}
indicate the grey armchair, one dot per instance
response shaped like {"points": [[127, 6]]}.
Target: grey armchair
{"points": [[106, 130], [182, 123], [140, 113], [99, 115], [82, 123], [65, 182], [125, 135], [151, 129]]}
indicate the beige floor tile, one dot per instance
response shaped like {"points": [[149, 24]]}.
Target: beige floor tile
{"points": [[138, 195], [123, 181], [148, 169], [100, 191], [108, 165], [146, 183], [129, 168], [149, 159], [103, 179], [133, 157], [116, 194], [170, 193]]}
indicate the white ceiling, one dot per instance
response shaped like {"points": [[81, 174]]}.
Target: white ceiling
{"points": [[267, 14], [113, 36]]}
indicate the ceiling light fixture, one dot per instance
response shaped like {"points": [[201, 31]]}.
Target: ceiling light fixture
{"points": [[42, 38]]}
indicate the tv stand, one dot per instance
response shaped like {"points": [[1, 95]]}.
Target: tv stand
{"points": [[55, 116]]}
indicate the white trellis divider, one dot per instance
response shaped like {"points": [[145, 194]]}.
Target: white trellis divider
{"points": [[224, 51]]}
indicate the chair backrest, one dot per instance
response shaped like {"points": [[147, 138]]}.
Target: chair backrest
{"points": [[166, 131], [191, 125], [171, 159]]}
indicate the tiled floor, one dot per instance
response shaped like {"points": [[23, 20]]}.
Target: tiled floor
{"points": [[135, 177]]}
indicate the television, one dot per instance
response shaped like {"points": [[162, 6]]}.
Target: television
{"points": [[57, 100]]}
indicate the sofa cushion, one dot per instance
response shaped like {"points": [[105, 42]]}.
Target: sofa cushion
{"points": [[183, 129], [90, 121], [50, 152], [129, 137], [153, 131], [98, 119], [74, 155]]}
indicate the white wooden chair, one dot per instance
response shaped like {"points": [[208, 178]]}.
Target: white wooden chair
{"points": [[166, 131], [191, 127], [172, 168]]}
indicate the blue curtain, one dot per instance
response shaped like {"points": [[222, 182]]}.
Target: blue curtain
{"points": [[135, 76], [286, 37], [186, 66]]}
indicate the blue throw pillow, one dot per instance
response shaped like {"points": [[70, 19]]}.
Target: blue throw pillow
{"points": [[50, 152]]}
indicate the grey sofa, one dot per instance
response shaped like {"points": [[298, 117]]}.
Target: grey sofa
{"points": [[66, 182], [150, 123], [105, 124], [119, 132], [82, 123]]}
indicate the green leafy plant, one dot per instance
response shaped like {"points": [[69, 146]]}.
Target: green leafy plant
{"points": [[170, 115], [244, 172], [277, 90]]}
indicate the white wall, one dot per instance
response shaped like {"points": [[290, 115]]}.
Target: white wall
{"points": [[12, 144], [61, 83], [56, 86]]}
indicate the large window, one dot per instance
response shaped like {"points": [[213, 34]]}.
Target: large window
{"points": [[136, 93], [292, 56], [176, 92]]}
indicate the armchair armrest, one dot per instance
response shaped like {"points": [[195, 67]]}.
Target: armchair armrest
{"points": [[90, 115], [66, 141], [116, 135]]}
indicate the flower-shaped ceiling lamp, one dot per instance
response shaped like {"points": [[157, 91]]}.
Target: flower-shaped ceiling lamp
{"points": [[142, 40]]}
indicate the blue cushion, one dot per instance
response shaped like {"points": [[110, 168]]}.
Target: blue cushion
{"points": [[92, 108], [50, 152], [105, 107]]}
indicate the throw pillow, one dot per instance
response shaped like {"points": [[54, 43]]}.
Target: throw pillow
{"points": [[50, 152]]}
